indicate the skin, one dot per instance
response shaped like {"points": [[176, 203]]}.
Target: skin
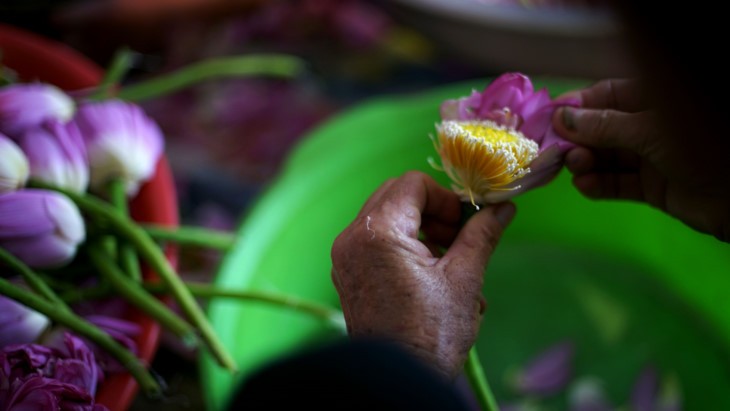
{"points": [[396, 286], [626, 153]]}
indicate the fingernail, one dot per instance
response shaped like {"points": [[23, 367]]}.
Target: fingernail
{"points": [[504, 213], [569, 118]]}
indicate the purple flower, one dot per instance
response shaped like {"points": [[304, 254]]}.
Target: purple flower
{"points": [[548, 373], [14, 167], [57, 155], [123, 331], [24, 106], [72, 363], [36, 393], [122, 143], [41, 228], [645, 390], [19, 324], [499, 143], [647, 395]]}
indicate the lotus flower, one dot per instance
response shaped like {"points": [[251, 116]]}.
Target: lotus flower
{"points": [[27, 105], [122, 143], [499, 143], [14, 167], [19, 324], [41, 228], [57, 155], [547, 373]]}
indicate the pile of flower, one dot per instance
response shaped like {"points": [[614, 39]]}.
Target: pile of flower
{"points": [[53, 150], [70, 253]]}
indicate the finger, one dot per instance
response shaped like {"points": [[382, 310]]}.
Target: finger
{"points": [[581, 160], [412, 197], [617, 94], [621, 186], [477, 239], [375, 198], [607, 129]]}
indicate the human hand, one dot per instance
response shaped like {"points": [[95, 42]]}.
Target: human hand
{"points": [[628, 152], [394, 285]]}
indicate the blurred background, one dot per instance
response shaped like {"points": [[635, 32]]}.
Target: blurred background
{"points": [[227, 139]]}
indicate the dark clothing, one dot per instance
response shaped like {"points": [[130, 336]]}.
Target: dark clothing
{"points": [[348, 375]]}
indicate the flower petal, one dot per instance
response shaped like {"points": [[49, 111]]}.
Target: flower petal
{"points": [[57, 155], [27, 105], [508, 90], [41, 228], [19, 324], [122, 142], [549, 372], [461, 109]]}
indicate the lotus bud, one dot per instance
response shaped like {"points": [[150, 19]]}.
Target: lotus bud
{"points": [[57, 155], [27, 105], [41, 228], [19, 324], [122, 143]]}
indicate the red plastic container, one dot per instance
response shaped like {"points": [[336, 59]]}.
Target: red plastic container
{"points": [[36, 58]]}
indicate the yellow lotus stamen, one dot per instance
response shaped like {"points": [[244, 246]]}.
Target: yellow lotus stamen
{"points": [[482, 156]]}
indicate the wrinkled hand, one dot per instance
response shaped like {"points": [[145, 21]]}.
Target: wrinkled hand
{"points": [[629, 153], [393, 284]]}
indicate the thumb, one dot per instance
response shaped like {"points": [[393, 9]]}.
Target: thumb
{"points": [[476, 241], [606, 128]]}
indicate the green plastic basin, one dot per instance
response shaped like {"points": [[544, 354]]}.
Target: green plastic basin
{"points": [[629, 285]]}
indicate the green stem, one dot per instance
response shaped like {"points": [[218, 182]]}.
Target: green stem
{"points": [[479, 383], [117, 70], [137, 296], [149, 251], [75, 323], [74, 295], [127, 256], [34, 281], [259, 64], [195, 236], [203, 290]]}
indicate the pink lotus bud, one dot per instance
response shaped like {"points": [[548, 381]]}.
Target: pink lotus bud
{"points": [[122, 143], [24, 106], [19, 324], [57, 155], [41, 228], [14, 166]]}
